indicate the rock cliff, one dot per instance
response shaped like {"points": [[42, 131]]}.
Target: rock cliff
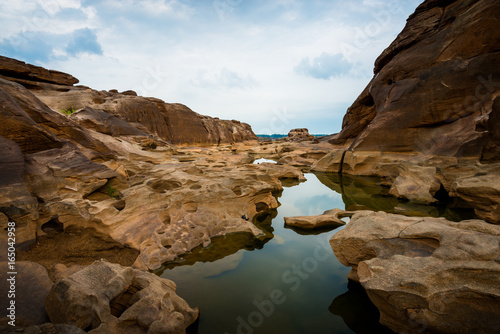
{"points": [[433, 102], [172, 122], [436, 87]]}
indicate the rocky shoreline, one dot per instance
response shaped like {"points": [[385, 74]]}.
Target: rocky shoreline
{"points": [[89, 174]]}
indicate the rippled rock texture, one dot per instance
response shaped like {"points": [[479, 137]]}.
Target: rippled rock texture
{"points": [[425, 274], [434, 102], [109, 298]]}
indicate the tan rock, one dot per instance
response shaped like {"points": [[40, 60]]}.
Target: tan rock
{"points": [[416, 183], [31, 286], [330, 218], [425, 274], [299, 135], [109, 298]]}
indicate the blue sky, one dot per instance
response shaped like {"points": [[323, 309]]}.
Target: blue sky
{"points": [[275, 64]]}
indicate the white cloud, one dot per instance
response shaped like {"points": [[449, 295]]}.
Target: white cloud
{"points": [[242, 67]]}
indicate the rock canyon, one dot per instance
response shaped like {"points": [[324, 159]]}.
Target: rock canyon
{"points": [[107, 187]]}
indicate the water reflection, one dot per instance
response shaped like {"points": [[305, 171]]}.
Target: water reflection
{"points": [[231, 280], [368, 193], [358, 312]]}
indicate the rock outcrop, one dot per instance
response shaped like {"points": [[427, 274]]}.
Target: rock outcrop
{"points": [[107, 170], [433, 102], [434, 86], [330, 218], [299, 135], [109, 298], [425, 274]]}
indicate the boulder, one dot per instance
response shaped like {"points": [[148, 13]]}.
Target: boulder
{"points": [[482, 191], [32, 285], [434, 86], [16, 69], [330, 218], [109, 298], [299, 135], [48, 328], [425, 274]]}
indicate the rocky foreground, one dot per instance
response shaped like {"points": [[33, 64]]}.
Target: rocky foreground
{"points": [[89, 174]]}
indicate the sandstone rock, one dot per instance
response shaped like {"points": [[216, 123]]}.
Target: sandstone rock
{"points": [[299, 135], [105, 123], [440, 47], [425, 274], [17, 69], [109, 298], [32, 284], [330, 218], [417, 184], [48, 328], [172, 122], [482, 192]]}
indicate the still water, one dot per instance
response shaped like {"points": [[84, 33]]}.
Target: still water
{"points": [[290, 283]]}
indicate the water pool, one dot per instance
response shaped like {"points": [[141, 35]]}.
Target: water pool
{"points": [[291, 283]]}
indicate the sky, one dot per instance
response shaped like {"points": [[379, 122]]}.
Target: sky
{"points": [[275, 64]]}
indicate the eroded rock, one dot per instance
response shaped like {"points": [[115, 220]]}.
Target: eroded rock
{"points": [[109, 298], [425, 274], [330, 218]]}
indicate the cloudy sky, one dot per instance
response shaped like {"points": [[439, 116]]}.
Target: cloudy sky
{"points": [[275, 64]]}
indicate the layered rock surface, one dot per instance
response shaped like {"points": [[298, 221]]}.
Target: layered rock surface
{"points": [[101, 173], [425, 274], [433, 102], [173, 122], [330, 218], [108, 298]]}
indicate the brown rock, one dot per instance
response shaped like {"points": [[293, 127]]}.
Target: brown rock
{"points": [[330, 218], [433, 86], [417, 184], [16, 69], [32, 284], [299, 135], [425, 274], [109, 298]]}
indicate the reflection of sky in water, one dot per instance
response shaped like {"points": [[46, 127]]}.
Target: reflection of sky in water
{"points": [[261, 160], [227, 289]]}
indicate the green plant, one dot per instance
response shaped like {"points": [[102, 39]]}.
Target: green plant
{"points": [[69, 110], [112, 192]]}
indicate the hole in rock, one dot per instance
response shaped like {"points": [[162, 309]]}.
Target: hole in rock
{"points": [[122, 302], [442, 195], [120, 205], [237, 190], [53, 225], [165, 185], [261, 206]]}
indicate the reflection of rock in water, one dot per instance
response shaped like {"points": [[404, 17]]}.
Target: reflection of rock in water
{"points": [[369, 193], [357, 311], [225, 246], [81, 246]]}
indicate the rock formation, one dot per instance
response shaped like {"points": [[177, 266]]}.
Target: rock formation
{"points": [[425, 274], [433, 102], [330, 218], [105, 170], [434, 87]]}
